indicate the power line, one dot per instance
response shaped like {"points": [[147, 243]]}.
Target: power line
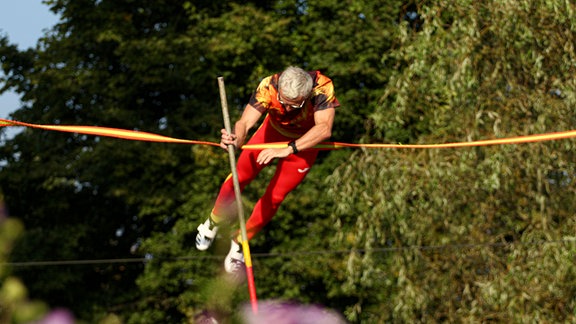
{"points": [[150, 258], [462, 246]]}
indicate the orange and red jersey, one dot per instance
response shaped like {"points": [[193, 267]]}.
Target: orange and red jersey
{"points": [[297, 122]]}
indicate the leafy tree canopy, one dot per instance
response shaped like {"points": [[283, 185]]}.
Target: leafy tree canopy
{"points": [[394, 235]]}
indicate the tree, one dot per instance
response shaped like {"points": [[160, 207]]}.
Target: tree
{"points": [[120, 65], [151, 66], [474, 234], [293, 34], [426, 235]]}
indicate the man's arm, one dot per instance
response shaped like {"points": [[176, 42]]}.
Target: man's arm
{"points": [[249, 118], [321, 131]]}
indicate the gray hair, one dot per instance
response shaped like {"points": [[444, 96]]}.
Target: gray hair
{"points": [[295, 83]]}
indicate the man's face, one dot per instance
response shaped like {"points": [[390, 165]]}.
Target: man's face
{"points": [[293, 104]]}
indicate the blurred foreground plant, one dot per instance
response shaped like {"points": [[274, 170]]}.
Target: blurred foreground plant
{"points": [[15, 307]]}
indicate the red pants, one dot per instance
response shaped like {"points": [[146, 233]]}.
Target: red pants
{"points": [[290, 171]]}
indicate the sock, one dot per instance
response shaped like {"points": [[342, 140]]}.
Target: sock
{"points": [[215, 219]]}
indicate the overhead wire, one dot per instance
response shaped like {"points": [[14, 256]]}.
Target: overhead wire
{"points": [[293, 254]]}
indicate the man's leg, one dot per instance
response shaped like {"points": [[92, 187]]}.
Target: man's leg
{"points": [[225, 208], [290, 171], [247, 169], [289, 174]]}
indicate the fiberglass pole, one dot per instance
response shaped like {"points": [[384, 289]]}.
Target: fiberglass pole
{"points": [[245, 246]]}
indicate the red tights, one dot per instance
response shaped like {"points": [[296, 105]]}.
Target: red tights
{"points": [[290, 171]]}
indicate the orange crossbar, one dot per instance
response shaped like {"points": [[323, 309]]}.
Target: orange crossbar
{"points": [[150, 137]]}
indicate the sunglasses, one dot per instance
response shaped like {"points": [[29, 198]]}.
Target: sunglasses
{"points": [[293, 106]]}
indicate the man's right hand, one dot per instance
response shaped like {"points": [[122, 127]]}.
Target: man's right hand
{"points": [[227, 139]]}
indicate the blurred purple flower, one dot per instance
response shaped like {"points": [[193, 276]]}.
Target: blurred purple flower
{"points": [[58, 316], [290, 313]]}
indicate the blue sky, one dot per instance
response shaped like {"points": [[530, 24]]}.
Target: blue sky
{"points": [[23, 21]]}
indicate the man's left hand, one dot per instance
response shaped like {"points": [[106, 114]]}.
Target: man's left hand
{"points": [[268, 155]]}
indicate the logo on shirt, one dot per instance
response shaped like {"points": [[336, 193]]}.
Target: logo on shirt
{"points": [[303, 170]]}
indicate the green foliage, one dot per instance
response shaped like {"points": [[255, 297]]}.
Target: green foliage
{"points": [[464, 235], [469, 234], [491, 66], [445, 225]]}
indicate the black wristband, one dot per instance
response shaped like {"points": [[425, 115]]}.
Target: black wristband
{"points": [[293, 146]]}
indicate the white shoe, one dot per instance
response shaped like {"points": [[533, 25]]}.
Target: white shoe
{"points": [[234, 262], [206, 233]]}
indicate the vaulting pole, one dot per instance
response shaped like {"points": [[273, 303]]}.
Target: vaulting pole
{"points": [[245, 246]]}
